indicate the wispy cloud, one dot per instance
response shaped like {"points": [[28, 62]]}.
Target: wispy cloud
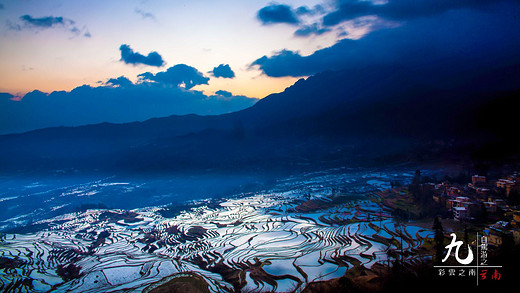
{"points": [[28, 22], [312, 29], [46, 22], [144, 14]]}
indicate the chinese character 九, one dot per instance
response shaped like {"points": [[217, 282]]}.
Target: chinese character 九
{"points": [[457, 245]]}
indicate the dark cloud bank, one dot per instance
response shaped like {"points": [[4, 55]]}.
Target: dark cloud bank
{"points": [[400, 9], [452, 36], [118, 101]]}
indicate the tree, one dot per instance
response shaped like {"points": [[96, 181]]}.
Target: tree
{"points": [[438, 239], [417, 177], [415, 186]]}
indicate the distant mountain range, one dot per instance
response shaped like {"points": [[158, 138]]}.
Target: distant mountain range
{"points": [[337, 117]]}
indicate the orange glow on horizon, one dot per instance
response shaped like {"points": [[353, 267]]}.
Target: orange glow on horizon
{"points": [[254, 85]]}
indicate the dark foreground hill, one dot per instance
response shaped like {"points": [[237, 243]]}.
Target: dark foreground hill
{"points": [[341, 117]]}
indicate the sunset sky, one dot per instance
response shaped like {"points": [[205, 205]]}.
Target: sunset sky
{"points": [[184, 53], [84, 48]]}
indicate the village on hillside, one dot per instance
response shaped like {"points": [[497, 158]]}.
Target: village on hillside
{"points": [[490, 206]]}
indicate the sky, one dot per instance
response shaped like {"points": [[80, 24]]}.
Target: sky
{"points": [[68, 63], [85, 48]]}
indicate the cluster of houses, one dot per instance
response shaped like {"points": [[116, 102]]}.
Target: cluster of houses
{"points": [[484, 201]]}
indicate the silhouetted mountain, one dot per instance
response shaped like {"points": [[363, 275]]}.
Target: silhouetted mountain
{"points": [[342, 117]]}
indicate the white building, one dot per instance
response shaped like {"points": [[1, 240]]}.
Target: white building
{"points": [[460, 213]]}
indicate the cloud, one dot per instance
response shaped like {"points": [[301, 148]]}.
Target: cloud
{"points": [[277, 13], [308, 30], [397, 9], [13, 26], [223, 70], [144, 14], [47, 22], [306, 18], [130, 57], [119, 82], [116, 101], [283, 63], [223, 93], [304, 10], [462, 41], [180, 75]]}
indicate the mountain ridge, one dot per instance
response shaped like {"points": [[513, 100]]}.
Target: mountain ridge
{"points": [[306, 123]]}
